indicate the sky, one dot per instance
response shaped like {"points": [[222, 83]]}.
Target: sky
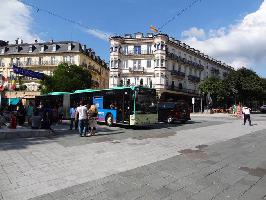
{"points": [[233, 31]]}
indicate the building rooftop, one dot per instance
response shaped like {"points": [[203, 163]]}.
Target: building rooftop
{"points": [[172, 40], [20, 48]]}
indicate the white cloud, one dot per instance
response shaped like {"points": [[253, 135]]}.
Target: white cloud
{"points": [[16, 21], [241, 44], [99, 34], [193, 32]]}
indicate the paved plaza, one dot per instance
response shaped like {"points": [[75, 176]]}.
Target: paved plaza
{"points": [[208, 158]]}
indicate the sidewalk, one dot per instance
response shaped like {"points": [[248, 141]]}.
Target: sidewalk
{"points": [[216, 115], [27, 132]]}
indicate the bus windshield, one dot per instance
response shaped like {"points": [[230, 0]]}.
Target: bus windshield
{"points": [[146, 102]]}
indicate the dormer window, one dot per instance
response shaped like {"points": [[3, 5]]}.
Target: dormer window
{"points": [[54, 47], [31, 48], [69, 47], [42, 48]]}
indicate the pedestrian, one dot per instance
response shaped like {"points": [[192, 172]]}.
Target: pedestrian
{"points": [[21, 114], [60, 113], [81, 116], [29, 112], [246, 112], [36, 120], [92, 119], [72, 113]]}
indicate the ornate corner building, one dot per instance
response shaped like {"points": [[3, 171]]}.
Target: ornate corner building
{"points": [[44, 57], [161, 62]]}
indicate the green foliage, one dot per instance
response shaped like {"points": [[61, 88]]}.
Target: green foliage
{"points": [[243, 85], [67, 78]]}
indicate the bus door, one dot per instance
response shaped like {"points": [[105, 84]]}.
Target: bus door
{"points": [[103, 112]]}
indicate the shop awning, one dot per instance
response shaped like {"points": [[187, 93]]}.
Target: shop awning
{"points": [[13, 101]]}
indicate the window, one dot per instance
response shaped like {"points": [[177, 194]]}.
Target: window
{"points": [[69, 47], [42, 48], [149, 49], [125, 64], [112, 63], [173, 67], [54, 47], [125, 50], [53, 60], [148, 63], [29, 61], [136, 64], [40, 60], [69, 59], [30, 49], [190, 71], [162, 63], [137, 49], [3, 51], [157, 62]]}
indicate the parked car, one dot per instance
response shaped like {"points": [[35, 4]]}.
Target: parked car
{"points": [[173, 111], [263, 109]]}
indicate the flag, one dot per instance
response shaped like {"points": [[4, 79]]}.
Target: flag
{"points": [[154, 29]]}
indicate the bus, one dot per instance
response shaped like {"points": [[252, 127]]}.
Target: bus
{"points": [[54, 99], [120, 105], [126, 105]]}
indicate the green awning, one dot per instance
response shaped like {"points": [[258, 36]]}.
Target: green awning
{"points": [[58, 93], [13, 101]]}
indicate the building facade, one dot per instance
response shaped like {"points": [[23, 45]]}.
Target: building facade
{"points": [[160, 62], [45, 57]]}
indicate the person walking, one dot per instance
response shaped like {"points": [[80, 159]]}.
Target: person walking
{"points": [[72, 113], [29, 112], [81, 116], [60, 113], [246, 112], [92, 119]]}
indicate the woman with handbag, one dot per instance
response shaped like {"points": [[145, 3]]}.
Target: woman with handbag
{"points": [[92, 120]]}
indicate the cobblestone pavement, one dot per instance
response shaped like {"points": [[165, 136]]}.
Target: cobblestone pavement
{"points": [[204, 159]]}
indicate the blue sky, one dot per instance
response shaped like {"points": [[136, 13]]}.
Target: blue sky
{"points": [[205, 21]]}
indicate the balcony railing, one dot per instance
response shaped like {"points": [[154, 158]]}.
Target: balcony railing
{"points": [[136, 69], [185, 61], [141, 52], [177, 89], [39, 63], [178, 73], [193, 78]]}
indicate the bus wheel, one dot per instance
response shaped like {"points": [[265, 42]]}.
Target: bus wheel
{"points": [[169, 120], [109, 120]]}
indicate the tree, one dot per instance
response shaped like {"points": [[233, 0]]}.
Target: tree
{"points": [[67, 78], [245, 84], [216, 88]]}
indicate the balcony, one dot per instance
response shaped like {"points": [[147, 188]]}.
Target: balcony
{"points": [[136, 70], [172, 56], [193, 78], [40, 63], [136, 53], [178, 73], [177, 89]]}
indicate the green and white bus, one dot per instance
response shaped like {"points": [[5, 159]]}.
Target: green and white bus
{"points": [[126, 105]]}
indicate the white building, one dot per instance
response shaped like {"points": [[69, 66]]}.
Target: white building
{"points": [[160, 62]]}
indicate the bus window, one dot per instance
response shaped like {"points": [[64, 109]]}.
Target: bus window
{"points": [[146, 101]]}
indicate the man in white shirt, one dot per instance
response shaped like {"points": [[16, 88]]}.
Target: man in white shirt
{"points": [[81, 115], [246, 112]]}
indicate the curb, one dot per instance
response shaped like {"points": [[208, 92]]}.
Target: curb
{"points": [[13, 133]]}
